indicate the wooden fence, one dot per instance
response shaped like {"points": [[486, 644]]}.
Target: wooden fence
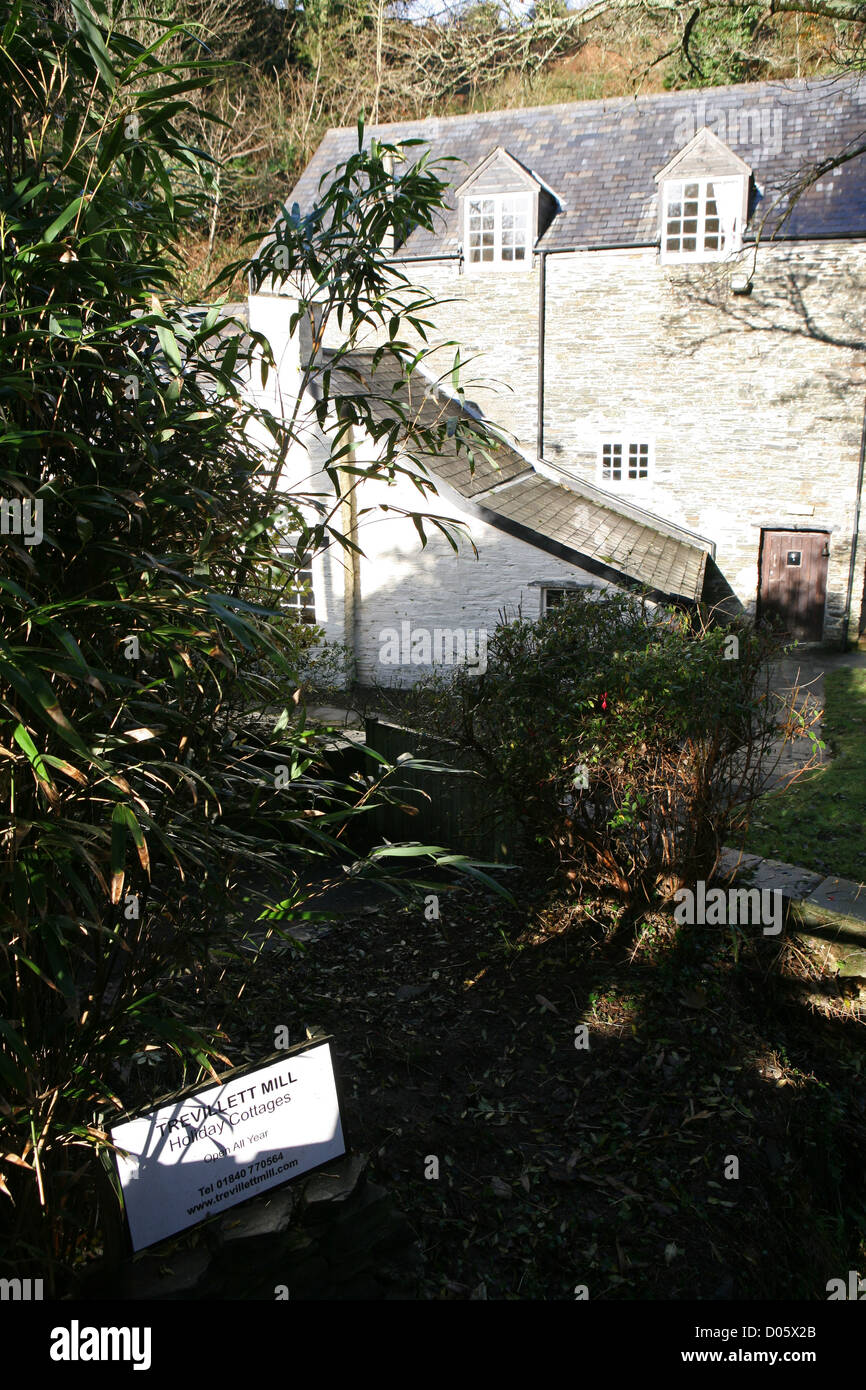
{"points": [[455, 809]]}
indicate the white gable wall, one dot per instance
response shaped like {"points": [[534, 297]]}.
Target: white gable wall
{"points": [[302, 475], [432, 588]]}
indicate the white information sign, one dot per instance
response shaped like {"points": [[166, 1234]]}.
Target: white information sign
{"points": [[197, 1156]]}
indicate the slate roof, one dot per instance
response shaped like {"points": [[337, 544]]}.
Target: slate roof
{"points": [[600, 157], [571, 520]]}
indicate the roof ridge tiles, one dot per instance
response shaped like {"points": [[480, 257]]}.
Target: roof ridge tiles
{"points": [[675, 96]]}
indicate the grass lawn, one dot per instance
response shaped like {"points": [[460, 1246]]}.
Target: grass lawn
{"points": [[820, 821]]}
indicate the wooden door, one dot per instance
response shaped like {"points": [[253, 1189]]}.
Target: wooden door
{"points": [[793, 581]]}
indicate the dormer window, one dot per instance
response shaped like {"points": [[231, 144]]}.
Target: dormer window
{"points": [[503, 209], [703, 201], [700, 218], [497, 229]]}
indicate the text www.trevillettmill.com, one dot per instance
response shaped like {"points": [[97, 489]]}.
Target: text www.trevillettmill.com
{"points": [[238, 1181]]}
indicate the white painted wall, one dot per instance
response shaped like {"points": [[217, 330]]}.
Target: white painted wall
{"points": [[302, 474], [434, 588], [430, 587]]}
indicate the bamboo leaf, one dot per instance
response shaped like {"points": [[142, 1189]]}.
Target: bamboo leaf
{"points": [[62, 220], [37, 761]]}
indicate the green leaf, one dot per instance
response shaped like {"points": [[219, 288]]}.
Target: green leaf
{"points": [[169, 345], [123, 822], [23, 739], [63, 220], [42, 700]]}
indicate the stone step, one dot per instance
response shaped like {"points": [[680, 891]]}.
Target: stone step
{"points": [[829, 913], [834, 917]]}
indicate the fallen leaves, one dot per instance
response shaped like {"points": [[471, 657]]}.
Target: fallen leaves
{"points": [[548, 1154], [694, 998]]}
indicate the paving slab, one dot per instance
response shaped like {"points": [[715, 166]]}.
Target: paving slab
{"points": [[833, 919], [842, 897], [793, 882], [736, 862], [828, 913]]}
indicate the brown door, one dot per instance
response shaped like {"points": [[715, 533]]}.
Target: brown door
{"points": [[793, 581]]}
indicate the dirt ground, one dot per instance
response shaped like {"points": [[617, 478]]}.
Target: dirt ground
{"points": [[646, 1110]]}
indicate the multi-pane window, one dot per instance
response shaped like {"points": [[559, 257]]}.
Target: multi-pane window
{"points": [[515, 229], [611, 463], [554, 598], [700, 218], [482, 229], [298, 598], [497, 230], [624, 461], [638, 462]]}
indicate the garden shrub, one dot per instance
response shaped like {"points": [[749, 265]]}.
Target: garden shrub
{"points": [[630, 740]]}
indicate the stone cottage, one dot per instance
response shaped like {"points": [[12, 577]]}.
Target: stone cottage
{"points": [[673, 340]]}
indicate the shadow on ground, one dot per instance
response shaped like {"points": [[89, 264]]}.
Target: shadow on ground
{"points": [[644, 1110]]}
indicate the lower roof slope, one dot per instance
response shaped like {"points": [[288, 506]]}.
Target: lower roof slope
{"points": [[616, 542]]}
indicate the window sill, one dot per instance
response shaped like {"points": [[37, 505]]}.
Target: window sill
{"points": [[492, 267], [695, 259]]}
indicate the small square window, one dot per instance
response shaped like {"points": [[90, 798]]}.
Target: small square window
{"points": [[624, 460], [795, 557], [611, 463], [638, 461], [298, 598], [554, 598]]}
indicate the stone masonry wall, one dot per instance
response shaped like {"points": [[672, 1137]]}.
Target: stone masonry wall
{"points": [[493, 575], [753, 404]]}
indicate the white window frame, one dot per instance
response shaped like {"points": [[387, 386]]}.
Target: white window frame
{"points": [[525, 202], [300, 601], [546, 606], [673, 191], [635, 446]]}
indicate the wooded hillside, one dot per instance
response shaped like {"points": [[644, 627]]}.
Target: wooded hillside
{"points": [[287, 74]]}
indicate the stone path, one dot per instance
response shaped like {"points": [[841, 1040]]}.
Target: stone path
{"points": [[804, 670]]}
